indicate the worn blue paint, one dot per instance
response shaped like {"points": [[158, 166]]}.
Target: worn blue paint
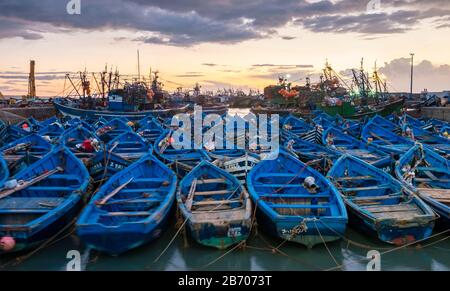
{"points": [[215, 225], [35, 214], [380, 205], [181, 161], [129, 145], [134, 216], [286, 209], [350, 145], [436, 175]]}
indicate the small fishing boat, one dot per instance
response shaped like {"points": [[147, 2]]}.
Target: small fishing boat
{"points": [[112, 129], [150, 129], [104, 165], [31, 123], [15, 132], [295, 202], [75, 122], [73, 139], [385, 140], [215, 205], [24, 152], [53, 131], [316, 155], [129, 146], [46, 199], [379, 205], [131, 209], [295, 126], [427, 174], [385, 123], [338, 140], [49, 121], [437, 142], [239, 166], [181, 160]]}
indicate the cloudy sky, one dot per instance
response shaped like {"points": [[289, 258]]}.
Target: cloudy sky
{"points": [[223, 43]]}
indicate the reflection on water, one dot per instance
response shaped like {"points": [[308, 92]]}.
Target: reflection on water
{"points": [[258, 256]]}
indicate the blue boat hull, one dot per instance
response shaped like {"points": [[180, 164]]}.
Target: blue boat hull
{"points": [[217, 236], [133, 116], [115, 241], [310, 234], [25, 242], [388, 233]]}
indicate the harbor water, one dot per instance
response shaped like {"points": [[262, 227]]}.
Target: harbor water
{"points": [[259, 255]]}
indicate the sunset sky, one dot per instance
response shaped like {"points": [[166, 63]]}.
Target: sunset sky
{"points": [[222, 43]]}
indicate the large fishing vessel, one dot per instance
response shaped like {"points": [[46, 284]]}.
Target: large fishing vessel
{"points": [[116, 96]]}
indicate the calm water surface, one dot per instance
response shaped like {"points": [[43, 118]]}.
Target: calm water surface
{"points": [[184, 254]]}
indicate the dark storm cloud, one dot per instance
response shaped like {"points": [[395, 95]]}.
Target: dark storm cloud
{"points": [[186, 23]]}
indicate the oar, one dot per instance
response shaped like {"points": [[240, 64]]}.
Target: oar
{"points": [[27, 184], [113, 193], [380, 138]]}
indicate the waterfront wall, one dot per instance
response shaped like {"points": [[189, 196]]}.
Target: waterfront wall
{"points": [[13, 115], [442, 113]]}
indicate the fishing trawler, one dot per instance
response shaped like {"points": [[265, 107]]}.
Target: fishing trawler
{"points": [[116, 96], [365, 96]]}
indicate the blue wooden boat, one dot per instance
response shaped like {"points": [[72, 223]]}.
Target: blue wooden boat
{"points": [[48, 197], [439, 143], [131, 209], [104, 165], [318, 156], [295, 126], [427, 174], [438, 124], [75, 122], [112, 129], [31, 122], [215, 205], [338, 140], [379, 205], [15, 132], [385, 123], [384, 139], [295, 202], [49, 121], [68, 108], [53, 131], [24, 152], [183, 160], [408, 119], [75, 136], [129, 146], [150, 129], [4, 173]]}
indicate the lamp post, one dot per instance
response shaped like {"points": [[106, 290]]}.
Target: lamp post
{"points": [[412, 75]]}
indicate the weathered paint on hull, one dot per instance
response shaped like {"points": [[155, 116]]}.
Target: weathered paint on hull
{"points": [[115, 241], [133, 116], [330, 232], [25, 242], [388, 233], [217, 236]]}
